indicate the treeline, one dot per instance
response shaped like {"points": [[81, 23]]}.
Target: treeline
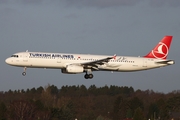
{"points": [[82, 103]]}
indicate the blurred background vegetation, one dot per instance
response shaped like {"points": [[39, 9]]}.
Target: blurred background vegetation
{"points": [[82, 103]]}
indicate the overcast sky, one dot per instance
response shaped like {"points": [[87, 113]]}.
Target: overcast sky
{"points": [[108, 27]]}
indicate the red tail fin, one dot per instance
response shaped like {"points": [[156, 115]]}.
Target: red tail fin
{"points": [[161, 50]]}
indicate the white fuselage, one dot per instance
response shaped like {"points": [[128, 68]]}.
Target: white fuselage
{"points": [[79, 63], [61, 60]]}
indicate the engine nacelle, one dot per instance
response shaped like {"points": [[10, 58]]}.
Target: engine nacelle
{"points": [[73, 69]]}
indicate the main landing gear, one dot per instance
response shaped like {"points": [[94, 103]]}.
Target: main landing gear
{"points": [[24, 73], [88, 76]]}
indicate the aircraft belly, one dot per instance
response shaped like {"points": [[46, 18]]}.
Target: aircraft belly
{"points": [[109, 67], [42, 63], [128, 68]]}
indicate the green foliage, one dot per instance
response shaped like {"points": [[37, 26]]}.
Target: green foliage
{"points": [[33, 90], [163, 111], [153, 110], [135, 103], [138, 115], [118, 104], [129, 113], [54, 90], [120, 108], [100, 117], [40, 90], [3, 111], [173, 103], [39, 105]]}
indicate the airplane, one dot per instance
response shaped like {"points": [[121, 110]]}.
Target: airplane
{"points": [[85, 63]]}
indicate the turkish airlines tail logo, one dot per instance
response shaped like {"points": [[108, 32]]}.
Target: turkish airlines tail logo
{"points": [[162, 48]]}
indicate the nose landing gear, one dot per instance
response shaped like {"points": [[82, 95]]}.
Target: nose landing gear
{"points": [[24, 73]]}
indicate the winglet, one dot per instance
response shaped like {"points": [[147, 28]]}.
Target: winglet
{"points": [[114, 56]]}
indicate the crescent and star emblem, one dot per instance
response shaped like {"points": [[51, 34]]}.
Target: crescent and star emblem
{"points": [[161, 51]]}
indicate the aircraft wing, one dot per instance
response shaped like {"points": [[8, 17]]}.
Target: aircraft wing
{"points": [[94, 64]]}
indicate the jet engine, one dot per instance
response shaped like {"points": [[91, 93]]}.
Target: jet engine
{"points": [[72, 69]]}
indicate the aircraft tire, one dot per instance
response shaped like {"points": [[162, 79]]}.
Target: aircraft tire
{"points": [[86, 76], [90, 76], [24, 73]]}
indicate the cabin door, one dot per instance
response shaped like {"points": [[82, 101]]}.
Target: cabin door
{"points": [[25, 57], [144, 63]]}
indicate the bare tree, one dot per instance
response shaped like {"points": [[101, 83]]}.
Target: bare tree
{"points": [[21, 110]]}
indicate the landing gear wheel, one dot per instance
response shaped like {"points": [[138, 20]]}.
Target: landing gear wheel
{"points": [[90, 76], [24, 73], [86, 76]]}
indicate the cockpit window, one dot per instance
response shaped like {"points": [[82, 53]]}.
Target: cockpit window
{"points": [[14, 56]]}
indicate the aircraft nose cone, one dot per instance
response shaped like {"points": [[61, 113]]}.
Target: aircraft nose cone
{"points": [[8, 61]]}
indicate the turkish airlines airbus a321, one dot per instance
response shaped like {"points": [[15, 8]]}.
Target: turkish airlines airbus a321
{"points": [[85, 63]]}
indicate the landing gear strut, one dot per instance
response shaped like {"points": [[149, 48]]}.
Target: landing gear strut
{"points": [[24, 73], [88, 76]]}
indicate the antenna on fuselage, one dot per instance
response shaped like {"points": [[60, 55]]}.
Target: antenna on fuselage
{"points": [[26, 50]]}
